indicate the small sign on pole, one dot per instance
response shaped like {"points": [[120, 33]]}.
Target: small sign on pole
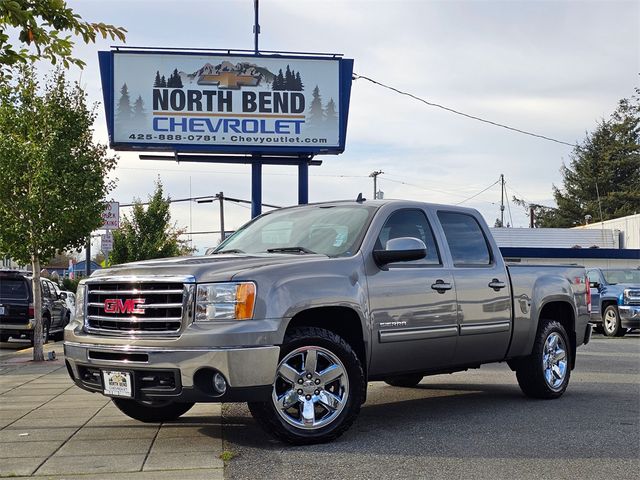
{"points": [[111, 216], [106, 242]]}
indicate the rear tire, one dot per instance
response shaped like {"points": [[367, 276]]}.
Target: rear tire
{"points": [[45, 333], [546, 372], [611, 322], [149, 412], [318, 390], [406, 381]]}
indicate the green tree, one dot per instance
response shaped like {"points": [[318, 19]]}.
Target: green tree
{"points": [[52, 175], [603, 174], [148, 234], [34, 30], [604, 171]]}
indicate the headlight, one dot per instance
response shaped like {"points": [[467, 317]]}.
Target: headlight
{"points": [[225, 301], [80, 292], [623, 298]]}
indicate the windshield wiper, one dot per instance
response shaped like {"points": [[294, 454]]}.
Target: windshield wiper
{"points": [[289, 250], [231, 250]]}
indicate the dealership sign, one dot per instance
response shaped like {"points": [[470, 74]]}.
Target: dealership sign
{"points": [[219, 103]]}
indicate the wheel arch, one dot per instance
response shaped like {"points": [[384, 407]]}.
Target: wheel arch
{"points": [[342, 321], [563, 313]]}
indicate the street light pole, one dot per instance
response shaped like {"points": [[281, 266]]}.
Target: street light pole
{"points": [[221, 198]]}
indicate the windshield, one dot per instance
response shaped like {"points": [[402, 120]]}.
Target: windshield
{"points": [[621, 276], [325, 229]]}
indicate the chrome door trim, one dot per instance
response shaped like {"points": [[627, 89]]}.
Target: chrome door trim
{"points": [[480, 328], [407, 334]]}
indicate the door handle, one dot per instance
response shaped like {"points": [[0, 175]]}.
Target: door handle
{"points": [[496, 284], [440, 286]]}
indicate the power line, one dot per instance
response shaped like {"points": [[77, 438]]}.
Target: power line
{"points": [[472, 117], [481, 191]]}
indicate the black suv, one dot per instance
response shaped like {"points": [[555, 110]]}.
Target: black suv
{"points": [[16, 306]]}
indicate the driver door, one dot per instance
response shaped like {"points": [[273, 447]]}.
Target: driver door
{"points": [[413, 304]]}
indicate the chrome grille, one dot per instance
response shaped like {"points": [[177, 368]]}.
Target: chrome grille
{"points": [[135, 308], [634, 297]]}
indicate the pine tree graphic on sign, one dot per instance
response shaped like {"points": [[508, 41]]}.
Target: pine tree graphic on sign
{"points": [[139, 115], [330, 115], [123, 112], [316, 112]]}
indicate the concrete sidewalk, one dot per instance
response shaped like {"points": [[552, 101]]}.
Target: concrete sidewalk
{"points": [[50, 428]]}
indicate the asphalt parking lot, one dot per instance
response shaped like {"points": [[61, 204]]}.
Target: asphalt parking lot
{"points": [[473, 424]]}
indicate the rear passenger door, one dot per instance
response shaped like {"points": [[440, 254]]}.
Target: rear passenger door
{"points": [[413, 305], [482, 289]]}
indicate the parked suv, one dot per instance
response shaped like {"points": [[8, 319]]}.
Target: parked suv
{"points": [[16, 306], [615, 297]]}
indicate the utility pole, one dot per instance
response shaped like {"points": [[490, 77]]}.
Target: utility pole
{"points": [[532, 216], [221, 198], [374, 175], [502, 200]]}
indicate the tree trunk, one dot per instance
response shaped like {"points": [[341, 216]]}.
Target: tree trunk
{"points": [[38, 352]]}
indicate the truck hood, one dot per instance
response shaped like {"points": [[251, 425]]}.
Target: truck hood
{"points": [[211, 268]]}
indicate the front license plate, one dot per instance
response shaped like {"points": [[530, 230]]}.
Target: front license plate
{"points": [[117, 384]]}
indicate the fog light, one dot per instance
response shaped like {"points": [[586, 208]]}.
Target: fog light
{"points": [[219, 383]]}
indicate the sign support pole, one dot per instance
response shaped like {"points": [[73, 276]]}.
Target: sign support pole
{"points": [[87, 266], [256, 187], [303, 183]]}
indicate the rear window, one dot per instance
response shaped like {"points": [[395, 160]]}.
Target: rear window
{"points": [[465, 238], [13, 288]]}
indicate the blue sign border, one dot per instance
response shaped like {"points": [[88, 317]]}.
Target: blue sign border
{"points": [[345, 72]]}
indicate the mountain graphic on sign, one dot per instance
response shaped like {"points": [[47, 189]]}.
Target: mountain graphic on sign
{"points": [[226, 75]]}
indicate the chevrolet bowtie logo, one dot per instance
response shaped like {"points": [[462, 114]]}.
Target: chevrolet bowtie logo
{"points": [[231, 80]]}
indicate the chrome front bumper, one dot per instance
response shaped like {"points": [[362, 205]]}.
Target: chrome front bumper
{"points": [[243, 368], [629, 315]]}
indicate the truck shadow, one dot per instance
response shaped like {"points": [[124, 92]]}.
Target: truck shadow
{"points": [[463, 420]]}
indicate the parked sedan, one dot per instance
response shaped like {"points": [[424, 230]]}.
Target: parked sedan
{"points": [[615, 299]]}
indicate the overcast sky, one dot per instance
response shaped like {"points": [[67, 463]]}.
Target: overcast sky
{"points": [[554, 68]]}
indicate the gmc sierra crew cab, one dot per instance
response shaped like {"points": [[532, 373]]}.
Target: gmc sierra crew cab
{"points": [[301, 307]]}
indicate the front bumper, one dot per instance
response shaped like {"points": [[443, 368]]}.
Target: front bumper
{"points": [[180, 374], [629, 316]]}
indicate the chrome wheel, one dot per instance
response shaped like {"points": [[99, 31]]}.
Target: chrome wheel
{"points": [[311, 388], [610, 320], [554, 361]]}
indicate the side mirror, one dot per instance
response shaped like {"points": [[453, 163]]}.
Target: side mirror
{"points": [[594, 285], [62, 296], [403, 249]]}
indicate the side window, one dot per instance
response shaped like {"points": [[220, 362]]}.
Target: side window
{"points": [[466, 241], [410, 223], [45, 290], [593, 276]]}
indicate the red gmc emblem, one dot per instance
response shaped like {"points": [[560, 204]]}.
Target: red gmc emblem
{"points": [[130, 306]]}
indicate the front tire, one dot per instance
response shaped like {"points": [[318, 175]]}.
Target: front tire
{"points": [[318, 390], [611, 323], [406, 381], [150, 412], [546, 372]]}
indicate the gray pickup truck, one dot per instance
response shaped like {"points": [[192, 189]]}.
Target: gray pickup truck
{"points": [[302, 306]]}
